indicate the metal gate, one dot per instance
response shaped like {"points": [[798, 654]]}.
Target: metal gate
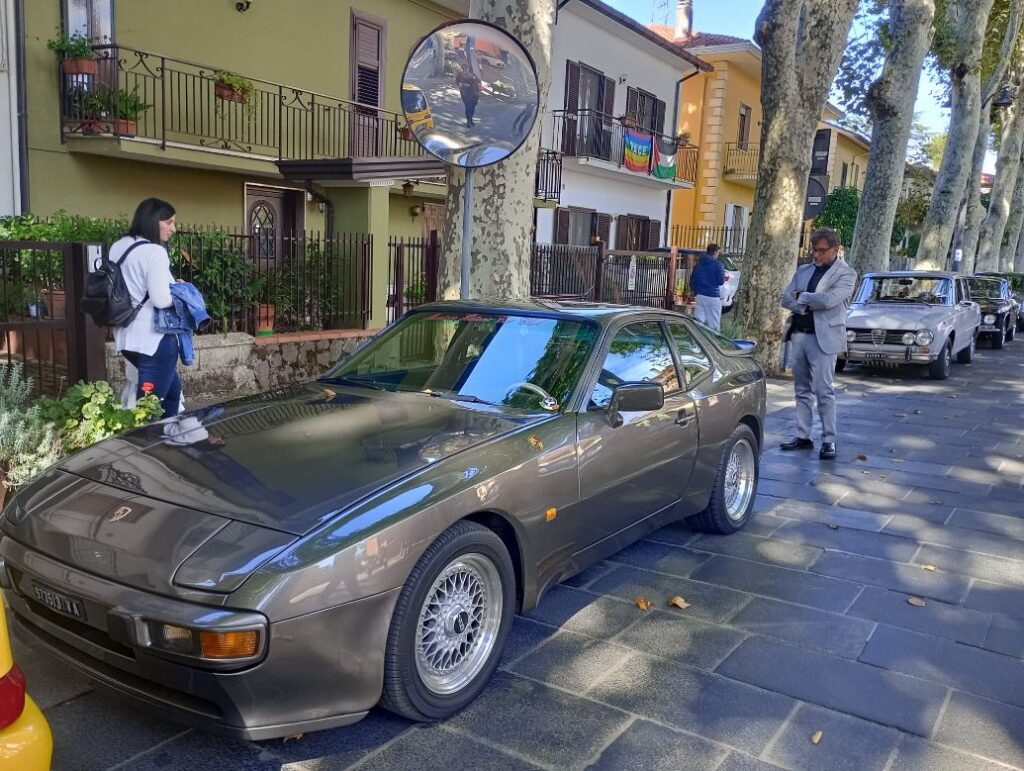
{"points": [[412, 273]]}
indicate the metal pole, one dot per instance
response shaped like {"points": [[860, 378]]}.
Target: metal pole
{"points": [[467, 233]]}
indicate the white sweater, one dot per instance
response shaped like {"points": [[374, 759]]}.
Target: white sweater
{"points": [[146, 269]]}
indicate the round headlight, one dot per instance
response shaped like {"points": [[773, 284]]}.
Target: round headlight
{"points": [[989, 319], [924, 337], [908, 338], [850, 335]]}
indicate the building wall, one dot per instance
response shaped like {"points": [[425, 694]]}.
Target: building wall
{"points": [[854, 154], [10, 188]]}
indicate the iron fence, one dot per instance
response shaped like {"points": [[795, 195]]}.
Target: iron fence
{"points": [[412, 272], [593, 134], [176, 102], [548, 185], [562, 271], [733, 241], [741, 159], [638, 278]]}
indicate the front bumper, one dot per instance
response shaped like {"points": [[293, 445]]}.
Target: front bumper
{"points": [[26, 744], [889, 354], [318, 671]]}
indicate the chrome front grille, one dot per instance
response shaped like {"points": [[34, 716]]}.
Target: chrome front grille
{"points": [[892, 336]]}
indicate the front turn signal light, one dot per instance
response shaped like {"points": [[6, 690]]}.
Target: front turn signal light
{"points": [[229, 645]]}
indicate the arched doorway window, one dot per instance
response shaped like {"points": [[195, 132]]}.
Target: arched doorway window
{"points": [[263, 228]]}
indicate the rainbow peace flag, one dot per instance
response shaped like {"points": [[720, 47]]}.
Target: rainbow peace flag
{"points": [[639, 147]]}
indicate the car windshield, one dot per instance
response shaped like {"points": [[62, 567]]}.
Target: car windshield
{"points": [[413, 100], [930, 290], [516, 361], [985, 288]]}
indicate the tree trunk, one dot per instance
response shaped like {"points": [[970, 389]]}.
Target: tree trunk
{"points": [[967, 20], [975, 209], [1014, 224], [802, 44], [1018, 260], [1003, 186], [890, 101], [502, 216]]}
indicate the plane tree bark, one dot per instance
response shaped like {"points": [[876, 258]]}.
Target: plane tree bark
{"points": [[502, 216], [802, 44], [890, 102]]}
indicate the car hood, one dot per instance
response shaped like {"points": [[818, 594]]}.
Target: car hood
{"points": [[992, 306], [289, 460], [896, 316]]}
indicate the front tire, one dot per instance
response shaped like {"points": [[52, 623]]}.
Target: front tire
{"points": [[939, 369], [450, 624], [966, 354], [999, 339], [732, 497]]}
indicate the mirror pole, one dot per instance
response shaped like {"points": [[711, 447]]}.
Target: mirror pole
{"points": [[467, 233]]}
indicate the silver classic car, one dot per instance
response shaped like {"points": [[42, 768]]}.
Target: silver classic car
{"points": [[283, 562], [913, 317]]}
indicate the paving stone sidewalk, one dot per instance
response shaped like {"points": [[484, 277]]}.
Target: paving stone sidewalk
{"points": [[799, 624]]}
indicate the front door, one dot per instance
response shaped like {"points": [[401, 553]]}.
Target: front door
{"points": [[642, 467]]}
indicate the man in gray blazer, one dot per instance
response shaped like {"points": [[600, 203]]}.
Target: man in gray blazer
{"points": [[818, 296]]}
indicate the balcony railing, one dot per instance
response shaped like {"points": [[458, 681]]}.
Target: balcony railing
{"points": [[595, 135], [549, 176], [185, 107], [741, 160]]}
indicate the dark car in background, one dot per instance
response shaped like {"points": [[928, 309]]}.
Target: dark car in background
{"points": [[284, 562], [999, 309], [1016, 282]]}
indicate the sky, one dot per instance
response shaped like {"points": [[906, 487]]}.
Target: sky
{"points": [[737, 17]]}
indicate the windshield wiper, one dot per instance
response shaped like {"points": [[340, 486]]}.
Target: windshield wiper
{"points": [[902, 300], [355, 381], [455, 396]]}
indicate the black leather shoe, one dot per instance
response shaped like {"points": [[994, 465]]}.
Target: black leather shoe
{"points": [[797, 444], [828, 451]]}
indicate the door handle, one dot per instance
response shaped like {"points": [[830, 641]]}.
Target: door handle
{"points": [[684, 417]]}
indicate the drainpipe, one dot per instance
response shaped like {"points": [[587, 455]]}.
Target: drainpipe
{"points": [[22, 106], [328, 208], [675, 127]]}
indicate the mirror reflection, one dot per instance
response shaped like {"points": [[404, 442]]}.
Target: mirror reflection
{"points": [[470, 94]]}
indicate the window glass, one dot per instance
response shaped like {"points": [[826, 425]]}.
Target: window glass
{"points": [[639, 353], [695, 362], [919, 289], [92, 18]]}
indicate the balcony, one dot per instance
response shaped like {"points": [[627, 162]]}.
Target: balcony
{"points": [[741, 163], [598, 142], [185, 109], [548, 185]]}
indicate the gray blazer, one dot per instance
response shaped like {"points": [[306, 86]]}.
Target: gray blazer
{"points": [[829, 303]]}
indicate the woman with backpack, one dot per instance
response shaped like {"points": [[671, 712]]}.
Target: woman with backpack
{"points": [[146, 268]]}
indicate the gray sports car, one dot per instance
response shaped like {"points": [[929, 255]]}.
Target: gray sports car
{"points": [[284, 562]]}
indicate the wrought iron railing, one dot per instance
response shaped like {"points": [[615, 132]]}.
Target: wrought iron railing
{"points": [[549, 176], [593, 134], [564, 271], [185, 106], [741, 160]]}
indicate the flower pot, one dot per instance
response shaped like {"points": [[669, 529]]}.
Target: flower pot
{"points": [[265, 313], [56, 303], [228, 94], [407, 133], [82, 66], [91, 126], [124, 128]]}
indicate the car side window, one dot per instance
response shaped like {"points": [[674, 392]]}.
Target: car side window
{"points": [[638, 353], [695, 362], [961, 293]]}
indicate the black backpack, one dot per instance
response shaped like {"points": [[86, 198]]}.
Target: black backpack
{"points": [[107, 299]]}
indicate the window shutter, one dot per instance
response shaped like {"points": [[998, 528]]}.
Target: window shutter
{"points": [[561, 226], [622, 227], [608, 105], [366, 55], [632, 102], [654, 235], [603, 228], [659, 116], [572, 86]]}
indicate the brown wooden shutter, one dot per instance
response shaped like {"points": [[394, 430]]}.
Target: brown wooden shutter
{"points": [[561, 226], [572, 86], [622, 228], [608, 100], [654, 234], [632, 102], [366, 54], [659, 116], [603, 228]]}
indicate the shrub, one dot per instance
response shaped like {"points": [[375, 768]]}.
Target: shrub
{"points": [[74, 47], [28, 442], [89, 412]]}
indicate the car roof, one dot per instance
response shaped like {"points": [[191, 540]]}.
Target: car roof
{"points": [[914, 274], [579, 309]]}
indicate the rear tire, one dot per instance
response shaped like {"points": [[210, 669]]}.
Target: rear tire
{"points": [[450, 624], [939, 369], [966, 354], [732, 497]]}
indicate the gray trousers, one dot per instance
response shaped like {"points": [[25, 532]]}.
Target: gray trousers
{"points": [[812, 380], [709, 311]]}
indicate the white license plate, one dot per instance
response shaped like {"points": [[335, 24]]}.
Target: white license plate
{"points": [[58, 602], [876, 356]]}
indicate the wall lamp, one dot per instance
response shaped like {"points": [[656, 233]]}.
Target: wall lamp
{"points": [[243, 5]]}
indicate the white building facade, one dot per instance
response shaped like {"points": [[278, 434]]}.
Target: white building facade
{"points": [[611, 112]]}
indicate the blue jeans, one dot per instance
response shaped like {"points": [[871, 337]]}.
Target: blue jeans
{"points": [[158, 374]]}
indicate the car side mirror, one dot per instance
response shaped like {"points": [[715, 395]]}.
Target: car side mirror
{"points": [[635, 397], [967, 303]]}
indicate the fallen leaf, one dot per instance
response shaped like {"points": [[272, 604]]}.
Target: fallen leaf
{"points": [[679, 602], [816, 737], [935, 502], [927, 567], [918, 412], [862, 456], [292, 738], [329, 394], [833, 526], [643, 603], [917, 602]]}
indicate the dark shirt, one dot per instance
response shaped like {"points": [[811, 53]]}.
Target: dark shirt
{"points": [[708, 275], [804, 322]]}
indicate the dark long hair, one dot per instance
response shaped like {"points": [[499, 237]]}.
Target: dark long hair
{"points": [[147, 219]]}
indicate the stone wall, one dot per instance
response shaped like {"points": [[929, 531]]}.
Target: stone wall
{"points": [[237, 364]]}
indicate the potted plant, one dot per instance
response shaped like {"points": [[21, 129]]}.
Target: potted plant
{"points": [[127, 105], [629, 120], [683, 138], [75, 52], [88, 107], [230, 87]]}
